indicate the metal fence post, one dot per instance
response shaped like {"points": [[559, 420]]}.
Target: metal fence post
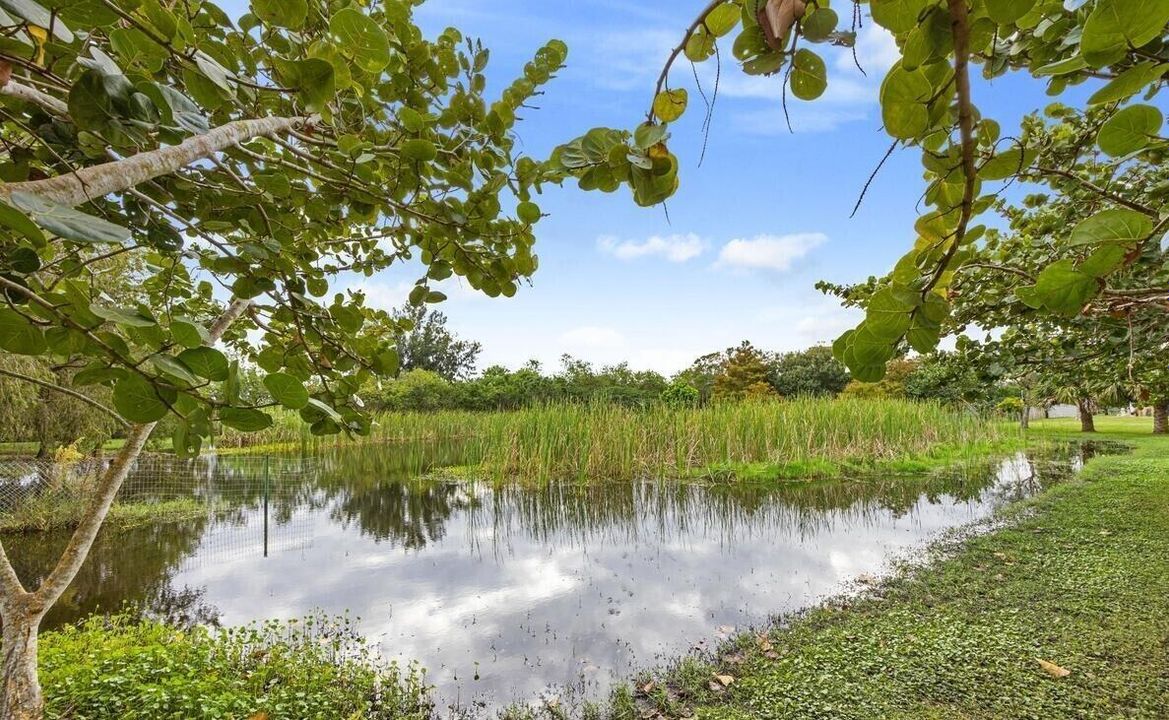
{"points": [[267, 483]]}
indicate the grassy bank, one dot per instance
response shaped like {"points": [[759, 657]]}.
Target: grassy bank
{"points": [[122, 670], [793, 438], [1077, 579], [57, 514]]}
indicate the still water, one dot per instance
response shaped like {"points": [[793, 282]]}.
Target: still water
{"points": [[511, 593]]}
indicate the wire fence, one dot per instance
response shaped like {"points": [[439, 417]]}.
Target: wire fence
{"points": [[253, 501]]}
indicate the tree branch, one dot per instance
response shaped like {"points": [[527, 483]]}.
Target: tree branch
{"points": [[1102, 192], [66, 391], [100, 180], [36, 97], [960, 23]]}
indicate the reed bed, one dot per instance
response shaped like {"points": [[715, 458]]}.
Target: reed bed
{"points": [[800, 437]]}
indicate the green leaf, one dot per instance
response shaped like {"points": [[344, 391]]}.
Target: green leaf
{"points": [[361, 39], [670, 104], [1128, 83], [36, 14], [809, 76], [889, 312], [418, 150], [206, 362], [245, 419], [315, 406], [1063, 288], [723, 19], [897, 16], [700, 46], [1006, 12], [1006, 164], [174, 367], [137, 400], [129, 318], [68, 223], [528, 212], [19, 336], [315, 83], [188, 333], [1130, 129], [819, 23], [178, 108], [649, 134], [287, 390], [1118, 226], [281, 13], [903, 102], [16, 220], [1115, 25], [1063, 67]]}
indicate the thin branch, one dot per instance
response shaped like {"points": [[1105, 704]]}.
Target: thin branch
{"points": [[36, 97], [66, 391], [1103, 192], [664, 77], [960, 22]]}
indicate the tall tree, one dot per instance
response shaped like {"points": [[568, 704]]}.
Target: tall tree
{"points": [[811, 372], [246, 167], [425, 343]]}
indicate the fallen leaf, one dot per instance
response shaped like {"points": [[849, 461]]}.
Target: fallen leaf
{"points": [[1052, 669], [648, 687], [724, 680]]}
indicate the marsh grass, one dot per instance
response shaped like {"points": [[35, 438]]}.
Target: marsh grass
{"points": [[53, 513], [755, 440]]}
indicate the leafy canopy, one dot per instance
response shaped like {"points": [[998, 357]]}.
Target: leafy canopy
{"points": [[250, 170], [927, 102]]}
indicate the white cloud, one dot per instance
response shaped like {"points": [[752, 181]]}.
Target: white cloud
{"points": [[592, 337], [675, 248], [768, 252]]}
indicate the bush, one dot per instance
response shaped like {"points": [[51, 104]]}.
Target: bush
{"points": [[111, 668], [680, 394]]}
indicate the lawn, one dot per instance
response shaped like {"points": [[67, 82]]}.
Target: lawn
{"points": [[1063, 613]]}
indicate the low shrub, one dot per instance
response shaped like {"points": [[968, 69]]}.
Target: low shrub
{"points": [[318, 668]]}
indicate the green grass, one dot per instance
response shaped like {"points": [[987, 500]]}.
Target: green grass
{"points": [[793, 438], [1078, 577], [117, 669], [57, 514]]}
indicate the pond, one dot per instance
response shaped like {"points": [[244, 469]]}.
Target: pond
{"points": [[513, 593]]}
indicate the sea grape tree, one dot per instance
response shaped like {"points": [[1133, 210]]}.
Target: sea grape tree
{"points": [[248, 167], [928, 101]]}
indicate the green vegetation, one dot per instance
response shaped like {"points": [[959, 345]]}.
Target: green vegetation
{"points": [[792, 438], [319, 669], [1072, 580], [54, 513]]}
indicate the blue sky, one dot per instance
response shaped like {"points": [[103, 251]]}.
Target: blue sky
{"points": [[749, 232]]}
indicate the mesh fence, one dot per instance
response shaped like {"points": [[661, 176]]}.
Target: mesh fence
{"points": [[253, 502]]}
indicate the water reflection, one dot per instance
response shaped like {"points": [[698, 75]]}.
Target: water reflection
{"points": [[504, 592]]}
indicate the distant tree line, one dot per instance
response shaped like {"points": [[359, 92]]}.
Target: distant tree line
{"points": [[439, 373]]}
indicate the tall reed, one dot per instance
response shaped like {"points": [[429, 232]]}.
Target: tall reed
{"points": [[590, 441]]}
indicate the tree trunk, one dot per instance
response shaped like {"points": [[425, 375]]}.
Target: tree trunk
{"points": [[21, 611], [1025, 418], [1161, 418], [1087, 422], [21, 698]]}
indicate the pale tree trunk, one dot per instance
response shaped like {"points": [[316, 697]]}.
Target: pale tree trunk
{"points": [[22, 611], [1161, 417], [1087, 421], [21, 698]]}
